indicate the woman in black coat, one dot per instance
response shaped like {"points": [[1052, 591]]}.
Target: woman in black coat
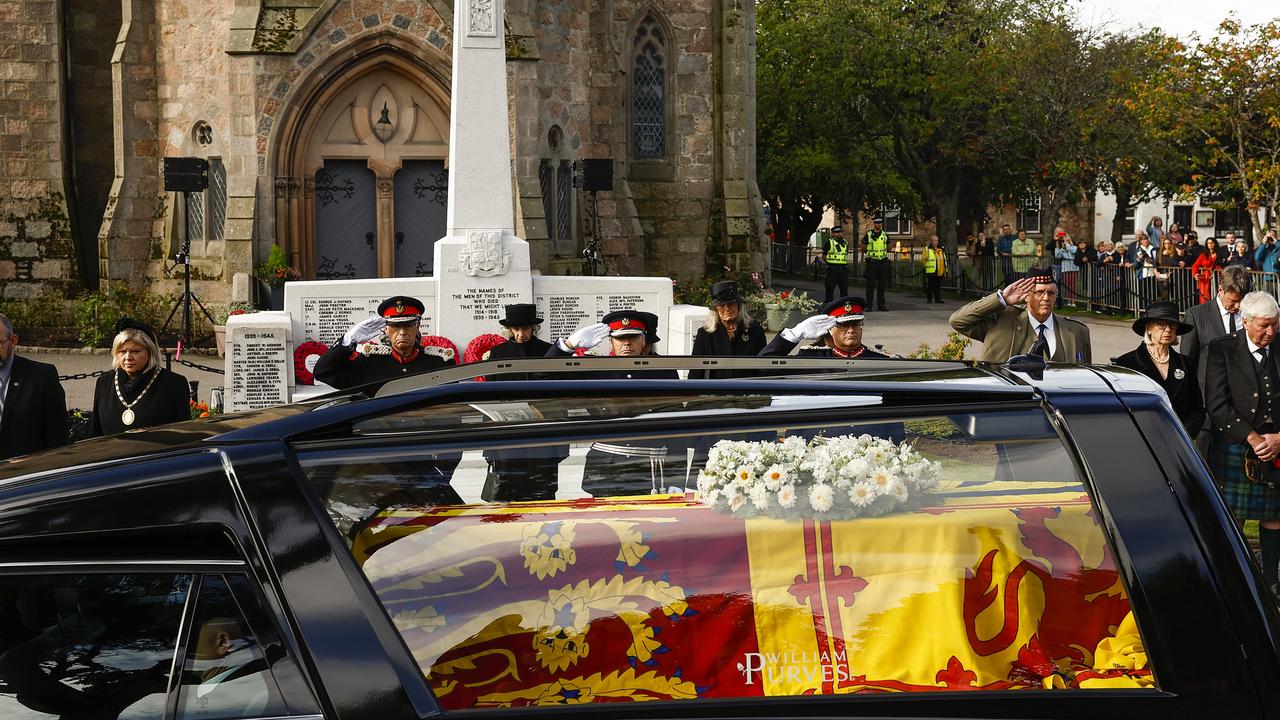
{"points": [[729, 330], [137, 392], [1157, 359]]}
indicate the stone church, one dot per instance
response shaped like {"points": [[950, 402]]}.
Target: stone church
{"points": [[326, 127]]}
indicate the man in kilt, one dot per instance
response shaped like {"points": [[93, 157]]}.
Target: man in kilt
{"points": [[1242, 395]]}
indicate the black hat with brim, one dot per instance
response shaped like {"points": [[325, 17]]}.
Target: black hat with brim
{"points": [[520, 315], [128, 323], [629, 322], [1162, 311], [726, 292]]}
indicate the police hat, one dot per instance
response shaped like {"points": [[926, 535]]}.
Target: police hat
{"points": [[128, 323], [726, 292], [877, 220], [630, 322], [520, 315], [837, 230], [846, 309], [402, 309]]}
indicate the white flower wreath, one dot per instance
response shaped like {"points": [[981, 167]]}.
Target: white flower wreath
{"points": [[841, 477]]}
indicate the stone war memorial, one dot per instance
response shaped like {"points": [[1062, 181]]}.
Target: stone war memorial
{"points": [[479, 265]]}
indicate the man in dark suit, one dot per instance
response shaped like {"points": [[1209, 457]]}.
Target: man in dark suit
{"points": [[33, 408], [1243, 400], [1208, 322]]}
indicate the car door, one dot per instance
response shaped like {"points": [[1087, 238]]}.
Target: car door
{"points": [[127, 593], [999, 591]]}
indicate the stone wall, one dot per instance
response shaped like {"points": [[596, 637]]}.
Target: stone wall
{"points": [[35, 247], [90, 38]]}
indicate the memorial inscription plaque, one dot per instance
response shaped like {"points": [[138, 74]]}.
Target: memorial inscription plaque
{"points": [[259, 362]]}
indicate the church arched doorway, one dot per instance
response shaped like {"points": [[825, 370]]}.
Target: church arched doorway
{"points": [[361, 187]]}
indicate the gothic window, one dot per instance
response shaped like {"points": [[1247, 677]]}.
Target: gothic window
{"points": [[650, 70], [206, 212], [555, 181]]}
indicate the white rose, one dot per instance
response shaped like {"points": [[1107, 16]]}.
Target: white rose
{"points": [[736, 502], [760, 497]]}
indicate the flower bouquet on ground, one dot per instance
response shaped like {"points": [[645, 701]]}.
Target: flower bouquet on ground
{"points": [[827, 478]]}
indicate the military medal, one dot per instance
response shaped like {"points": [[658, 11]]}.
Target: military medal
{"points": [[127, 417]]}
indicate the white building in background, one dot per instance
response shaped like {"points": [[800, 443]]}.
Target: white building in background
{"points": [[1187, 215]]}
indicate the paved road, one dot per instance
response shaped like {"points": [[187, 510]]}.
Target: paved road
{"points": [[909, 322]]}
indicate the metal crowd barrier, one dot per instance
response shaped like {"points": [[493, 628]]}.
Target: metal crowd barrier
{"points": [[1099, 288]]}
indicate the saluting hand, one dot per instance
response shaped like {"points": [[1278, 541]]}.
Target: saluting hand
{"points": [[810, 328], [588, 337], [365, 330], [1018, 290]]}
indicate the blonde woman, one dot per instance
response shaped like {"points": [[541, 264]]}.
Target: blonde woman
{"points": [[137, 392], [729, 330]]}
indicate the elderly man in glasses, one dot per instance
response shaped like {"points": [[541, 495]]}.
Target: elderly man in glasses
{"points": [[1006, 329]]}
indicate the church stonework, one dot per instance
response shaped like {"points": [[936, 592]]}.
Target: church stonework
{"points": [[326, 126]]}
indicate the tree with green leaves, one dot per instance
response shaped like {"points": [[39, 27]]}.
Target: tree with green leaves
{"points": [[1223, 95]]}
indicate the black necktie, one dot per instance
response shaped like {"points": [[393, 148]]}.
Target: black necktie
{"points": [[1041, 345], [1231, 323]]}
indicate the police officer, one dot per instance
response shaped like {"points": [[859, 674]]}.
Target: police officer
{"points": [[631, 333], [835, 255], [343, 367], [875, 245], [839, 328]]}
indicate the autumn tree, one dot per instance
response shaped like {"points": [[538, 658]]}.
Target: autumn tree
{"points": [[1224, 96]]}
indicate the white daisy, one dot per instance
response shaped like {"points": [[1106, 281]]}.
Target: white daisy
{"points": [[862, 494], [821, 498], [787, 496]]}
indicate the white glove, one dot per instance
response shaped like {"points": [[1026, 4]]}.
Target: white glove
{"points": [[810, 328], [588, 337], [365, 330]]}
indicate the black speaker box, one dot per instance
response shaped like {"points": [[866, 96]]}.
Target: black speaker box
{"points": [[186, 174], [597, 174]]}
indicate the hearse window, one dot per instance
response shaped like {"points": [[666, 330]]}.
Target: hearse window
{"points": [[900, 553], [227, 673], [97, 646], [516, 411]]}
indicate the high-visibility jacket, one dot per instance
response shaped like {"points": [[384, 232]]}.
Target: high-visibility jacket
{"points": [[837, 252], [877, 246], [934, 262]]}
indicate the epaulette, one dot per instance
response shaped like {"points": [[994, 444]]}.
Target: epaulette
{"points": [[442, 353], [1078, 322]]}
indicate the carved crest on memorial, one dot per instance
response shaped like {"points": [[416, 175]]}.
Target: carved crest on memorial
{"points": [[484, 255]]}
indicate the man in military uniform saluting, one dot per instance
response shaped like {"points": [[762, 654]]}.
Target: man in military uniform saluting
{"points": [[838, 325], [875, 245], [344, 367], [835, 255], [631, 333]]}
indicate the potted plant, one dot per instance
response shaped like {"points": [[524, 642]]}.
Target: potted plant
{"points": [[784, 309], [220, 330], [275, 271]]}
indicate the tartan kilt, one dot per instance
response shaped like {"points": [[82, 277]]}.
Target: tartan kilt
{"points": [[1247, 500]]}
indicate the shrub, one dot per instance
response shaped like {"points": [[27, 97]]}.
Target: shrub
{"points": [[952, 349], [38, 317], [97, 312]]}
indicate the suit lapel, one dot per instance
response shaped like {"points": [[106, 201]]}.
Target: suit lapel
{"points": [[1060, 339], [14, 391], [1246, 365], [1021, 335]]}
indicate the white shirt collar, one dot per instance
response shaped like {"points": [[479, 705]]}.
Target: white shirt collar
{"points": [[1221, 310], [1035, 324], [1253, 349]]}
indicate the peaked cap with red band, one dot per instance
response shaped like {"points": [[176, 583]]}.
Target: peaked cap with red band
{"points": [[845, 309], [629, 322], [402, 309]]}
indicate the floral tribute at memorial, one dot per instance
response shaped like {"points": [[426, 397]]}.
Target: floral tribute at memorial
{"points": [[828, 478]]}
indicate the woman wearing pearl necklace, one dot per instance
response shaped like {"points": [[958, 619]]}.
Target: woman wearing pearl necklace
{"points": [[137, 392], [1157, 359]]}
